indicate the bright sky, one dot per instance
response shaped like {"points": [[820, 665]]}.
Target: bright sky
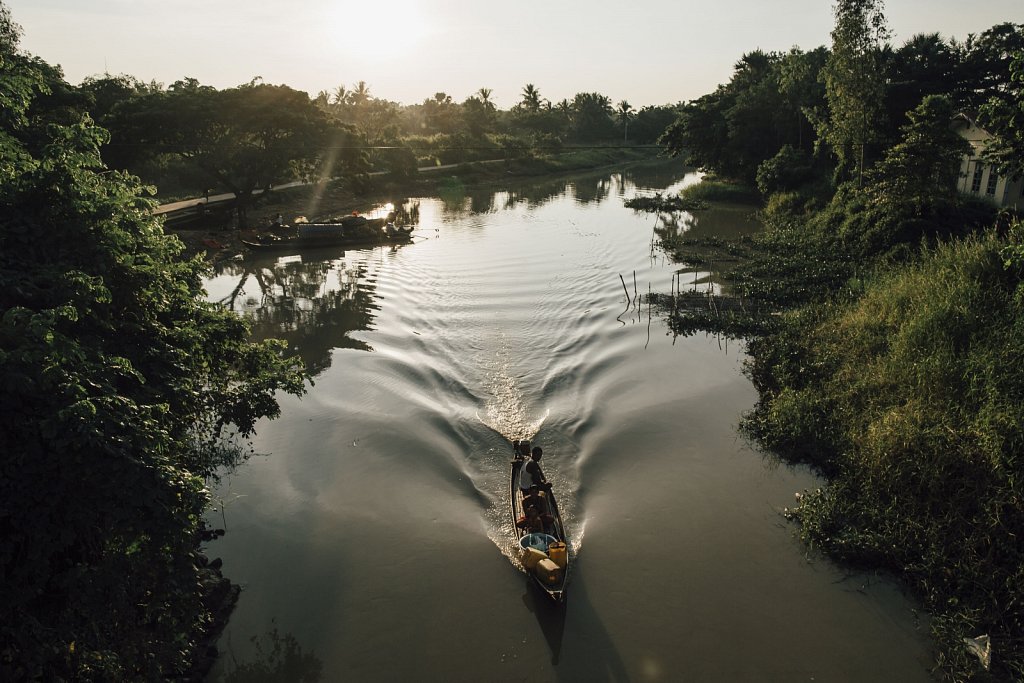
{"points": [[644, 51]]}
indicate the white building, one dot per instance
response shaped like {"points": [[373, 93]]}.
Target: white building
{"points": [[979, 179]]}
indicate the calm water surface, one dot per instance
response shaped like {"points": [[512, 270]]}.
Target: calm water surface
{"points": [[372, 541]]}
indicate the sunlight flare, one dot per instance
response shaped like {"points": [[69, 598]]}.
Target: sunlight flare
{"points": [[380, 29]]}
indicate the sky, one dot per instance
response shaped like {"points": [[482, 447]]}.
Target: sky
{"points": [[647, 52]]}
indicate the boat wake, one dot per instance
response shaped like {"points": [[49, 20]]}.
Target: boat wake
{"points": [[505, 411]]}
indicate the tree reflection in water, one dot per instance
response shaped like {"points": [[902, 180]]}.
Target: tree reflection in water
{"points": [[313, 302]]}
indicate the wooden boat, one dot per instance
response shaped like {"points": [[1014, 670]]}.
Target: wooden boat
{"points": [[311, 235], [545, 556]]}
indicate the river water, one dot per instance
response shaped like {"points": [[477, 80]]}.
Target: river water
{"points": [[370, 532]]}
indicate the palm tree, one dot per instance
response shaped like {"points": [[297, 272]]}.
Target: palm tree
{"points": [[361, 93], [485, 97], [531, 98], [341, 95], [625, 113]]}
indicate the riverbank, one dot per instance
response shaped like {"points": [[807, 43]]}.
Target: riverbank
{"points": [[895, 375], [215, 234]]}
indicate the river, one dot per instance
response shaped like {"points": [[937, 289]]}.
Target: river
{"points": [[370, 531]]}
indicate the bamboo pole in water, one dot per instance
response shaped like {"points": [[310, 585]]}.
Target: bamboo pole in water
{"points": [[624, 287]]}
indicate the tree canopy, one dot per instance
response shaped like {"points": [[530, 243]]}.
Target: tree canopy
{"points": [[853, 81], [243, 139], [119, 381], [1003, 116]]}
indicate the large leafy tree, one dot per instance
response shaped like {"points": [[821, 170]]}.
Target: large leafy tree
{"points": [[918, 174], [117, 378], [592, 117], [650, 122], [478, 113], [734, 129], [924, 65], [985, 59], [441, 114], [700, 134], [802, 91], [243, 139], [1003, 116], [854, 82]]}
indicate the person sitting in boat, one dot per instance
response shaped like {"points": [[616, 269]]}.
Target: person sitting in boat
{"points": [[533, 521], [536, 498], [531, 474]]}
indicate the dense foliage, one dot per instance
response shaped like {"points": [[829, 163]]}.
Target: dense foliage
{"points": [[883, 308], [189, 137], [241, 139], [840, 108], [118, 379]]}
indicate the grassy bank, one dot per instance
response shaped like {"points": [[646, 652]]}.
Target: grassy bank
{"points": [[910, 399], [894, 370]]}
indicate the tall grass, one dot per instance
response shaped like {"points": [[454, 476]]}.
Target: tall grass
{"points": [[715, 190], [911, 399]]}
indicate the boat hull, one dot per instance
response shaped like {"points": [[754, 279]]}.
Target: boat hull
{"points": [[555, 590], [319, 242]]}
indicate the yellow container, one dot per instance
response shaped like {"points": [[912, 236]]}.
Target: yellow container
{"points": [[559, 554], [531, 556], [548, 572]]}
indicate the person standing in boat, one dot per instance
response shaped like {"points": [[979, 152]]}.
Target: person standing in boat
{"points": [[531, 474]]}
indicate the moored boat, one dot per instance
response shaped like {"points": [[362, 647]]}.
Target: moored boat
{"points": [[544, 553], [344, 234]]}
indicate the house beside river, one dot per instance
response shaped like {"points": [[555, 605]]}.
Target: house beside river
{"points": [[979, 178]]}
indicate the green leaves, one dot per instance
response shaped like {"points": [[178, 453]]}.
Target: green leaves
{"points": [[117, 380], [1003, 116]]}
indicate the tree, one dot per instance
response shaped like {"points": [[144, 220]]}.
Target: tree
{"points": [[1003, 117], [118, 378], [803, 90], [485, 96], [853, 81], [441, 114], [244, 139], [919, 173], [360, 95], [340, 96], [700, 132], [530, 101], [651, 122], [924, 65], [734, 129], [478, 113], [757, 118], [592, 117], [985, 63], [106, 92], [624, 112]]}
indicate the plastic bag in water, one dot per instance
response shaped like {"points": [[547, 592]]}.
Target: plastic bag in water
{"points": [[980, 647]]}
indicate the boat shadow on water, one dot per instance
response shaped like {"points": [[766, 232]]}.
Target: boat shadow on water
{"points": [[590, 655], [550, 617]]}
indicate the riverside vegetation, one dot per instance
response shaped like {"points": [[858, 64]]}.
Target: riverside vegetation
{"points": [[886, 335], [122, 389]]}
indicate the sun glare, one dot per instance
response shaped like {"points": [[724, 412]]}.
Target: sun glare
{"points": [[379, 28]]}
